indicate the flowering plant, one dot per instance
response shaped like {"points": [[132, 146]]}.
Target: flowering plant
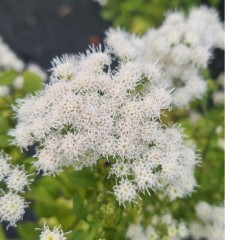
{"points": [[109, 163]]}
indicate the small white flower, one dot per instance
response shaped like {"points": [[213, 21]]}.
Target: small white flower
{"points": [[63, 67], [17, 179], [12, 208], [55, 234], [125, 191]]}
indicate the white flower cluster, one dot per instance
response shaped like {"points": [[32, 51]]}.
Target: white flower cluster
{"points": [[173, 230], [212, 222], [12, 205], [8, 58], [88, 111], [182, 46], [55, 234], [210, 225]]}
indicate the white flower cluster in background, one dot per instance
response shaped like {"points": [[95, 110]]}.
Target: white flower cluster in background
{"points": [[16, 179], [55, 234], [211, 225], [34, 68], [88, 111], [8, 59], [17, 84], [182, 46], [173, 230]]}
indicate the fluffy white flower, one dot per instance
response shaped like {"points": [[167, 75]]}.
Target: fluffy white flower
{"points": [[182, 46], [94, 112], [17, 179], [125, 191], [55, 234], [12, 208], [124, 45], [63, 67]]}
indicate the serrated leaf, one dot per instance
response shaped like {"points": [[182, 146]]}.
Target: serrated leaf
{"points": [[78, 207]]}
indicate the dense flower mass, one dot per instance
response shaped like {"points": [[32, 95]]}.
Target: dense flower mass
{"points": [[88, 111], [182, 46]]}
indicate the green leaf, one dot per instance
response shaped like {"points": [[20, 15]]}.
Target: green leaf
{"points": [[7, 77], [82, 179], [94, 228], [32, 82], [27, 231], [77, 234], [4, 141], [78, 206]]}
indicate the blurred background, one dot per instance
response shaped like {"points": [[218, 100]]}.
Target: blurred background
{"points": [[38, 30]]}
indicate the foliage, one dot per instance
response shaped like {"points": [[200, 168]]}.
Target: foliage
{"points": [[138, 15]]}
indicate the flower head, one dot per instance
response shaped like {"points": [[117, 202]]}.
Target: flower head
{"points": [[55, 234], [12, 208]]}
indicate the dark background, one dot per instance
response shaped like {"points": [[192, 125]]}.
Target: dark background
{"points": [[38, 30]]}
